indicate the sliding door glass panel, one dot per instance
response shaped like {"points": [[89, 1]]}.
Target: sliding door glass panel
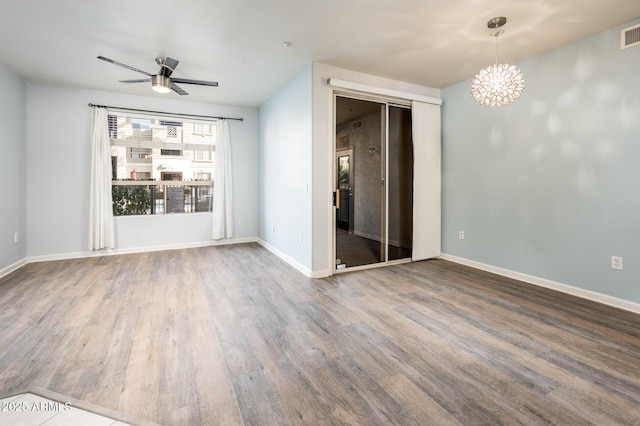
{"points": [[400, 184], [360, 190]]}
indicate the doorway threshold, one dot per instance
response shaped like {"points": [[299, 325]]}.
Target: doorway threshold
{"points": [[371, 266]]}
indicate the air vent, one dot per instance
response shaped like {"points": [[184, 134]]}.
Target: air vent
{"points": [[630, 37], [357, 125]]}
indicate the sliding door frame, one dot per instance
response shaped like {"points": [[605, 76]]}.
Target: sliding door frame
{"points": [[387, 102], [351, 89]]}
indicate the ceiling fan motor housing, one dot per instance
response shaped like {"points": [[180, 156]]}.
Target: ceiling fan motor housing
{"points": [[160, 83]]}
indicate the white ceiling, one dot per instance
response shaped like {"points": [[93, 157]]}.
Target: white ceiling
{"points": [[238, 43]]}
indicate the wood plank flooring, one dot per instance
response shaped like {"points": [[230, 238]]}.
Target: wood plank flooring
{"points": [[354, 250], [231, 335]]}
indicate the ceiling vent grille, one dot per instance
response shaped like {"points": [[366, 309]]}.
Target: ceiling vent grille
{"points": [[630, 37]]}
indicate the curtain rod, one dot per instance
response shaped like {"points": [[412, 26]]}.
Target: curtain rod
{"points": [[165, 113]]}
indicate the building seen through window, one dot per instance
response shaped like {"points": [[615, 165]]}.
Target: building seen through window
{"points": [[161, 166]]}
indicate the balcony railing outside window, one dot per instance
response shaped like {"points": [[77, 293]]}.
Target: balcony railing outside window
{"points": [[160, 197]]}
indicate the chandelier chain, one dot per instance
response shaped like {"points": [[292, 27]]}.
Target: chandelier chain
{"points": [[497, 35]]}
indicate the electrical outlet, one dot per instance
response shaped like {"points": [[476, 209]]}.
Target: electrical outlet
{"points": [[616, 262], [461, 235], [16, 237], [300, 238], [273, 228]]}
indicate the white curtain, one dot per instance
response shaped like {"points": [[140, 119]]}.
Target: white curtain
{"points": [[222, 211], [101, 232]]}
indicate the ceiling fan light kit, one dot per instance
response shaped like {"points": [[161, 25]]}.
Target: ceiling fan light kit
{"points": [[161, 84], [162, 81], [500, 83]]}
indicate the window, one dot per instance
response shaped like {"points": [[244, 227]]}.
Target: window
{"points": [[160, 166], [140, 154], [203, 176], [173, 123], [113, 127], [135, 175], [201, 155], [203, 129], [174, 152], [141, 124], [172, 130]]}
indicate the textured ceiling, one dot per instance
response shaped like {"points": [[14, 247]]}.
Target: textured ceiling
{"points": [[238, 43]]}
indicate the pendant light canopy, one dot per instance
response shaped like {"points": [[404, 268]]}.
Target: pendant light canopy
{"points": [[500, 83]]}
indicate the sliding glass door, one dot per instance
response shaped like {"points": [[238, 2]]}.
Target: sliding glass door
{"points": [[400, 184], [373, 175]]}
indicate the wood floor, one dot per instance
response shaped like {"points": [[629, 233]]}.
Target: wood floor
{"points": [[232, 335], [354, 250]]}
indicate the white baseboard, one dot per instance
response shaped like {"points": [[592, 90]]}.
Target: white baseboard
{"points": [[14, 266], [131, 250], [377, 238], [291, 261], [233, 241], [543, 282]]}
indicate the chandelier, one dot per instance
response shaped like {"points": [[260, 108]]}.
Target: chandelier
{"points": [[500, 83]]}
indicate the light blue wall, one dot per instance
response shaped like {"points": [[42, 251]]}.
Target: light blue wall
{"points": [[285, 167], [550, 186], [13, 160]]}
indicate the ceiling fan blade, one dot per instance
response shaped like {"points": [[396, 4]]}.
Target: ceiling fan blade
{"points": [[140, 80], [177, 89], [199, 82], [168, 66], [129, 67]]}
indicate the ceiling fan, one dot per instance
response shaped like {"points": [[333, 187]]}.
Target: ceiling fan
{"points": [[162, 82]]}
